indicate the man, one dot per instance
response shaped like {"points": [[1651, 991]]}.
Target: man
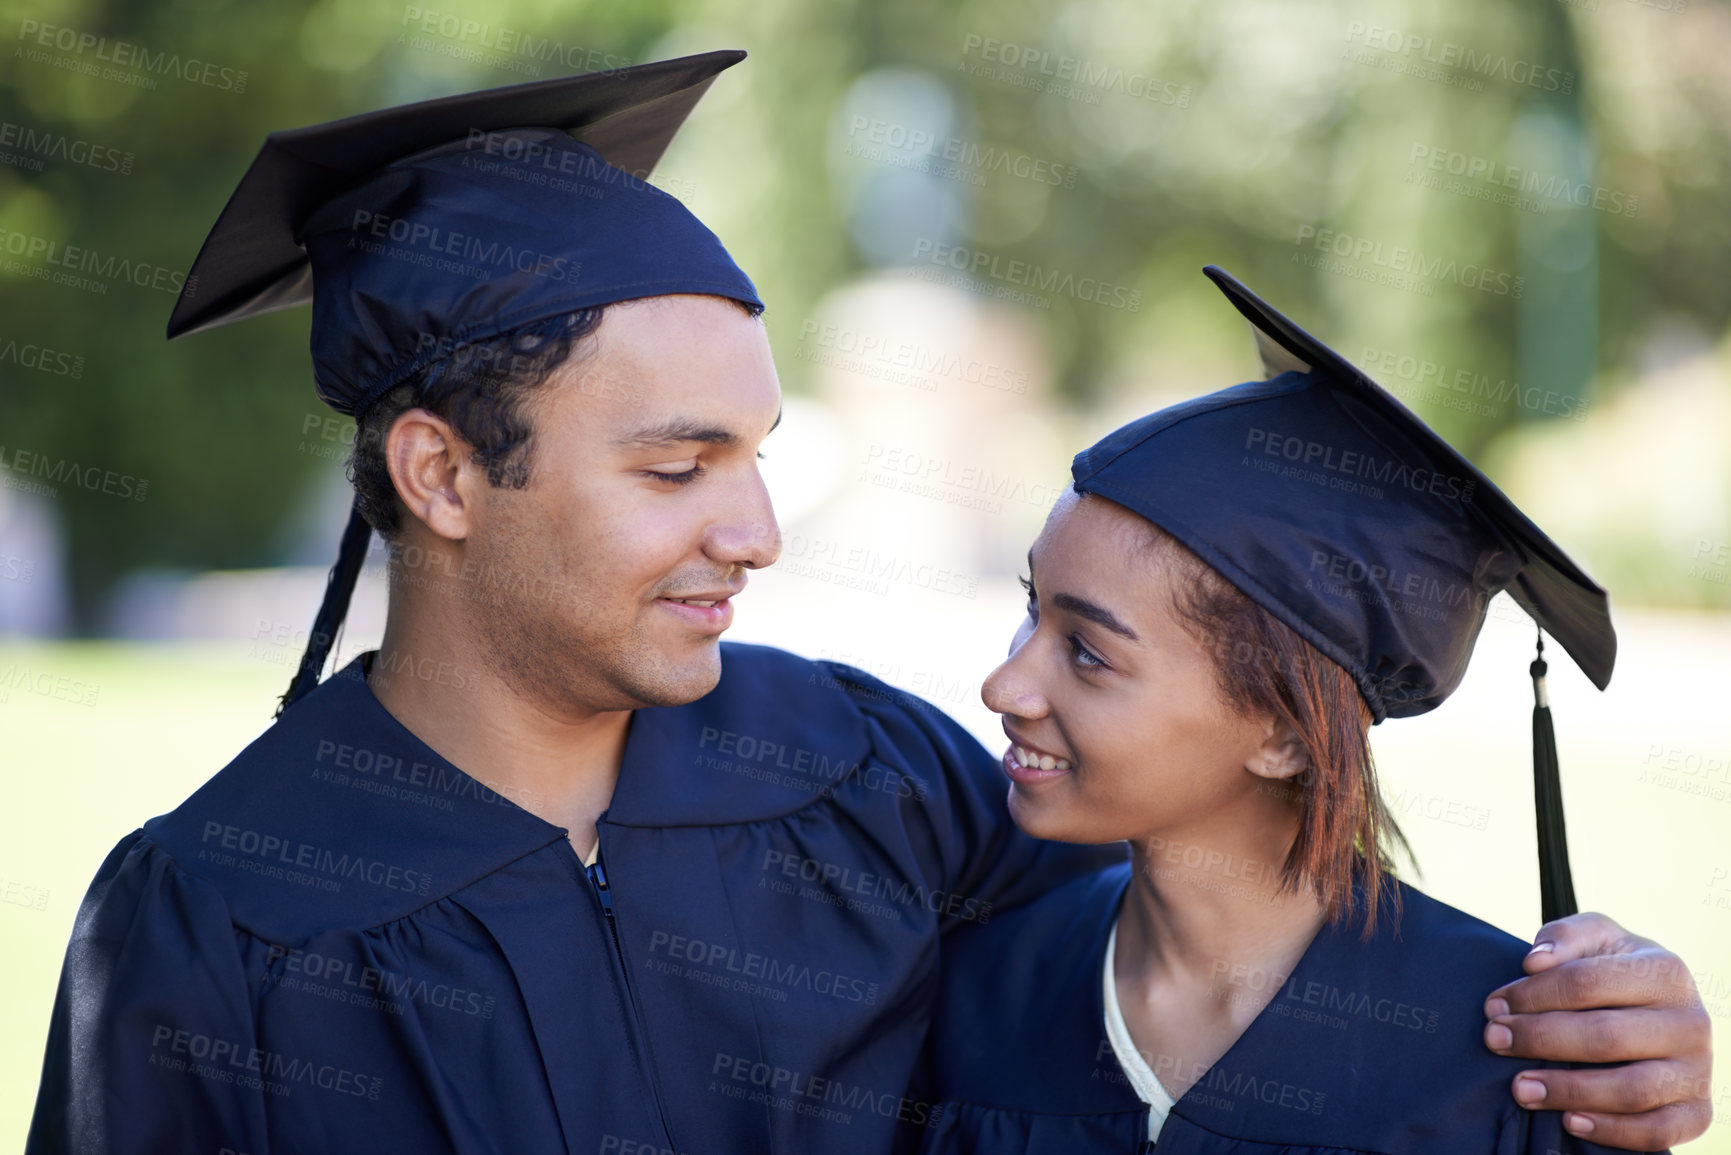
{"points": [[553, 869]]}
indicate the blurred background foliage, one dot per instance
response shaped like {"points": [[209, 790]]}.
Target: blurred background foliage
{"points": [[1288, 140], [1275, 120]]}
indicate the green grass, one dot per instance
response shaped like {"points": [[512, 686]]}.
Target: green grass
{"points": [[165, 717], [79, 777]]}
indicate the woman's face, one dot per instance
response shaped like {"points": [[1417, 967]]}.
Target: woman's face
{"points": [[1117, 727]]}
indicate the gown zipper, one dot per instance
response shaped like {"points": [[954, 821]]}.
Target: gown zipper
{"points": [[598, 878]]}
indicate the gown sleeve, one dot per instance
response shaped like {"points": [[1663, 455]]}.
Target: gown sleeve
{"points": [[981, 859], [1541, 1133], [151, 1044]]}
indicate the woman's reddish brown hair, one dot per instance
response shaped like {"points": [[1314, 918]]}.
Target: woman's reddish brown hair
{"points": [[1264, 668]]}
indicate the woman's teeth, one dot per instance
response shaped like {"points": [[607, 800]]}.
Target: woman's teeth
{"points": [[1033, 761], [689, 602]]}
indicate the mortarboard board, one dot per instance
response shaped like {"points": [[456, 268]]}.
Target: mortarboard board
{"points": [[1335, 508], [418, 230]]}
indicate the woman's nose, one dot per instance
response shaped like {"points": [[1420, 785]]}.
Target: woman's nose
{"points": [[1011, 688]]}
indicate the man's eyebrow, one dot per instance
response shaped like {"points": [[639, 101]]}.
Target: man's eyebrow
{"points": [[675, 432], [1100, 615], [679, 430]]}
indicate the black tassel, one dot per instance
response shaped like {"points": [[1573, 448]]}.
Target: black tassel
{"points": [[339, 588], [1556, 885]]}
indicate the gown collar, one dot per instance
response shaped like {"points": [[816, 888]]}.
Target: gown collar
{"points": [[338, 815]]}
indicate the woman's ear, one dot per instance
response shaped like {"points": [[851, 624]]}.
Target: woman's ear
{"points": [[1281, 754]]}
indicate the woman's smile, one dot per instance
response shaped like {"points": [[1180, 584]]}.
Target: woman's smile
{"points": [[1026, 763]]}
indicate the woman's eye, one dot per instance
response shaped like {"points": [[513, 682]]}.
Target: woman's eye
{"points": [[1033, 599], [1084, 657]]}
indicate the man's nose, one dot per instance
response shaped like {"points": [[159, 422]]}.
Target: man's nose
{"points": [[750, 537]]}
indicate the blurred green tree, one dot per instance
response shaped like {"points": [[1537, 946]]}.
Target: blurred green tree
{"points": [[1251, 133]]}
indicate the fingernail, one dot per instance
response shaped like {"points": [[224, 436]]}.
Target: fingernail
{"points": [[1529, 1092], [1496, 1008], [1499, 1037], [1578, 1124], [1542, 948]]}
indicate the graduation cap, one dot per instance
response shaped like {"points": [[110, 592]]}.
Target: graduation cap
{"points": [[419, 230], [1335, 508]]}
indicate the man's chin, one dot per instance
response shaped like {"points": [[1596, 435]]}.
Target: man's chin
{"points": [[686, 677]]}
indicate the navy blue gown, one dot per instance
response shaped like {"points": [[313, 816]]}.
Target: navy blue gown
{"points": [[343, 943], [1367, 1047]]}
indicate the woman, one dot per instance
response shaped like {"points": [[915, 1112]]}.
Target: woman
{"points": [[1236, 589]]}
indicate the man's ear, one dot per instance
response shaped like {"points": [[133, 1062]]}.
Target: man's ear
{"points": [[1281, 754], [431, 469]]}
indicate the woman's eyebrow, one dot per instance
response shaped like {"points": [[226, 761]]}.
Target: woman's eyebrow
{"points": [[1098, 614], [1083, 608]]}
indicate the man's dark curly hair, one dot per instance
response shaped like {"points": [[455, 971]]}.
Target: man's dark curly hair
{"points": [[482, 389]]}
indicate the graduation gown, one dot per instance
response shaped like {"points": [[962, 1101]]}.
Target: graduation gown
{"points": [[343, 943], [1366, 1047]]}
